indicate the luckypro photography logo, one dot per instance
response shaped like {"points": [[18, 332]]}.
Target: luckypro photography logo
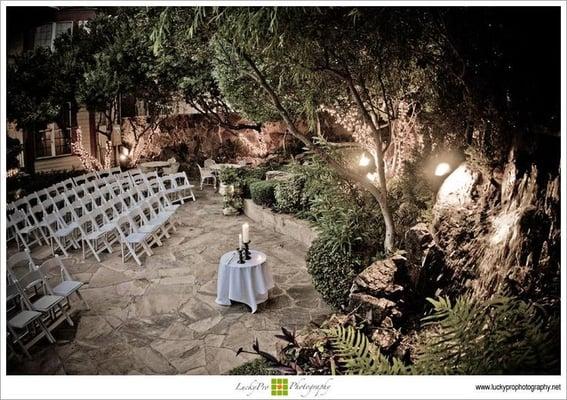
{"points": [[282, 387], [279, 387]]}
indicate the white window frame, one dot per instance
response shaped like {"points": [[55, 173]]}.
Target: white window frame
{"points": [[54, 31], [53, 130]]}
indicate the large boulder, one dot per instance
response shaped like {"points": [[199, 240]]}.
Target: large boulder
{"points": [[381, 278], [377, 292]]}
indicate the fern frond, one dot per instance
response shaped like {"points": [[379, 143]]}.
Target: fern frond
{"points": [[359, 356]]}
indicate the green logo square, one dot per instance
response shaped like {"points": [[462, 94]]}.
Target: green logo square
{"points": [[279, 387]]}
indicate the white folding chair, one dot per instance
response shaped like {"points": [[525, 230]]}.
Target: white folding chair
{"points": [[26, 234], [93, 239], [183, 186], [25, 322], [207, 174], [64, 285], [159, 215], [62, 235], [43, 300], [142, 220], [134, 242], [20, 260]]}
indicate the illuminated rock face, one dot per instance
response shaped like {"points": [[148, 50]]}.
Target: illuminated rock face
{"points": [[457, 189]]}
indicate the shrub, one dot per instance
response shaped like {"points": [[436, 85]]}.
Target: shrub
{"points": [[262, 192], [332, 271], [500, 336], [249, 175], [229, 176], [258, 366], [410, 196], [41, 180], [288, 195]]}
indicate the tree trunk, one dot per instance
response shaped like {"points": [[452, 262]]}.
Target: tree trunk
{"points": [[29, 151], [378, 193]]}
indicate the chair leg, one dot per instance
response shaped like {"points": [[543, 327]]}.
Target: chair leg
{"points": [[47, 332], [83, 300], [67, 317]]}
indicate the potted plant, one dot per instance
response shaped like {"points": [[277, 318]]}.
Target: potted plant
{"points": [[232, 200], [228, 176]]}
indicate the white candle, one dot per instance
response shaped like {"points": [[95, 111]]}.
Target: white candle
{"points": [[245, 232], [240, 241]]}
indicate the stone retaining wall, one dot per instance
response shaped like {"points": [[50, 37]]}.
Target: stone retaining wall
{"points": [[281, 223]]}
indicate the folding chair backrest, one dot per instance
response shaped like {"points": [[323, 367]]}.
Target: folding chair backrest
{"points": [[91, 176], [19, 218], [32, 279], [79, 180], [20, 259], [68, 183], [115, 170], [209, 162], [42, 195], [54, 271], [180, 179], [22, 204]]}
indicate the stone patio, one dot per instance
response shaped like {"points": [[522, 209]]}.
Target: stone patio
{"points": [[162, 318]]}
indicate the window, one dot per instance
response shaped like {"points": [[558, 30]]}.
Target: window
{"points": [[43, 36], [46, 34], [53, 142]]}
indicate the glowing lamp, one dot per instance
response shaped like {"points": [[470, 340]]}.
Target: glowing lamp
{"points": [[442, 169], [125, 151], [123, 157], [364, 161]]}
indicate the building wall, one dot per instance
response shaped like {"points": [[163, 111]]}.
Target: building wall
{"points": [[66, 162]]}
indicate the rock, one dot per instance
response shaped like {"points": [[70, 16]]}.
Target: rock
{"points": [[278, 176], [230, 211], [385, 338], [378, 308], [424, 259], [379, 279]]}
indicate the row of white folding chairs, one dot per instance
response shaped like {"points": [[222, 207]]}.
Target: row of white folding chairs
{"points": [[39, 297], [138, 218], [31, 204], [34, 228], [26, 223], [99, 221]]}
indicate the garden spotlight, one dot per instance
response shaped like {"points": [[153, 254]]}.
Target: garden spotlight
{"points": [[442, 169]]}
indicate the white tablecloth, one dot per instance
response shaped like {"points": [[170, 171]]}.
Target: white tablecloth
{"points": [[246, 283]]}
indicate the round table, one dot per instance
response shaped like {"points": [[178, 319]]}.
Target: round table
{"points": [[246, 283], [217, 167], [150, 165]]}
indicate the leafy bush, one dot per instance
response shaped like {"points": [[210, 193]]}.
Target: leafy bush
{"points": [[32, 183], [249, 175], [332, 271], [229, 176], [258, 366], [410, 196], [288, 195], [500, 336], [262, 192]]}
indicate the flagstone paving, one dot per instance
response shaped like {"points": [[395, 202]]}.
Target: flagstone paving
{"points": [[162, 318]]}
